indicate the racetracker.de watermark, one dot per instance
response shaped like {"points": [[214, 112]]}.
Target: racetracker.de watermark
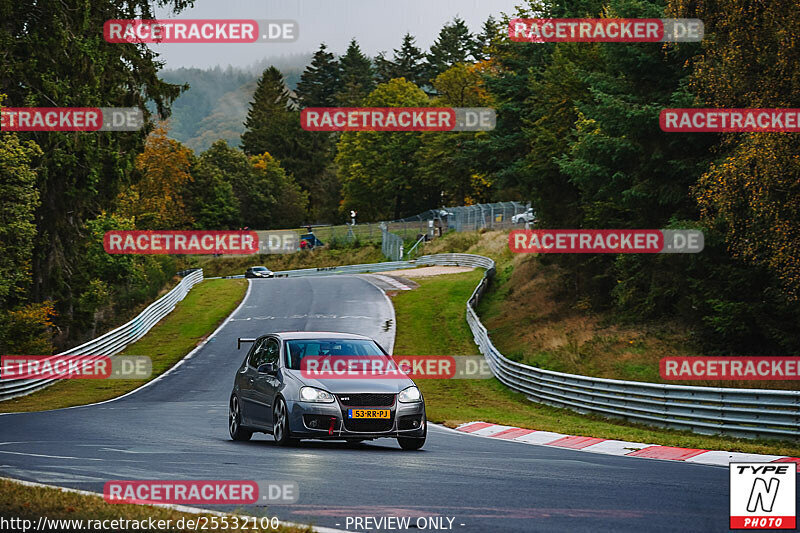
{"points": [[767, 368], [71, 119], [180, 242], [395, 367], [191, 242], [138, 31], [551, 30], [730, 120], [606, 241], [398, 119], [201, 492], [75, 367]]}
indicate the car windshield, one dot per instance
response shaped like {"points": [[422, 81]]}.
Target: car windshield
{"points": [[260, 268], [297, 349]]}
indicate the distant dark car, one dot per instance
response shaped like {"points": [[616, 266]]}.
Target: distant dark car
{"points": [[309, 241], [272, 395], [259, 272]]}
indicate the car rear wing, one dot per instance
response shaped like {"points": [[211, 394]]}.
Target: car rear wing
{"points": [[240, 340]]}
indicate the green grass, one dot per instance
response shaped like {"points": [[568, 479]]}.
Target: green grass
{"points": [[431, 321], [29, 503], [194, 318]]}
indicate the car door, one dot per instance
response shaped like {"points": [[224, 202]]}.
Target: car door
{"points": [[250, 407], [266, 386]]}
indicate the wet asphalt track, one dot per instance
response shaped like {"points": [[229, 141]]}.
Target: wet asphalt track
{"points": [[177, 429]]}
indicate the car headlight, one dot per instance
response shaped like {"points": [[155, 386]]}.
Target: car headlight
{"points": [[409, 395], [311, 394]]}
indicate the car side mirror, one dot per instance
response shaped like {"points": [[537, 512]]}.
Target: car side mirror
{"points": [[268, 368]]}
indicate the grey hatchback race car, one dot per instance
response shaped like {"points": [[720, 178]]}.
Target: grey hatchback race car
{"points": [[272, 395]]}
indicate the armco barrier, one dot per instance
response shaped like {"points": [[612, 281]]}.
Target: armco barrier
{"points": [[748, 413], [114, 341]]}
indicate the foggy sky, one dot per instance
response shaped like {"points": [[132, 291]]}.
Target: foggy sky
{"points": [[378, 25]]}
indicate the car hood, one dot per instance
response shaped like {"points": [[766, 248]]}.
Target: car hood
{"points": [[355, 386]]}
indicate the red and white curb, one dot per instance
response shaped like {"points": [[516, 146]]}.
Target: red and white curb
{"points": [[618, 447]]}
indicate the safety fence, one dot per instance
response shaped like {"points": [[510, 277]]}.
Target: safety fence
{"points": [[391, 244], [494, 216], [114, 341], [434, 222]]}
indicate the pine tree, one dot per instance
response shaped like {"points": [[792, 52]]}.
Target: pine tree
{"points": [[410, 62], [455, 44], [490, 31], [384, 68], [357, 77], [265, 126], [319, 81]]}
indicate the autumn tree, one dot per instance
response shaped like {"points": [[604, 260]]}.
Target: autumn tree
{"points": [[156, 200], [752, 60]]}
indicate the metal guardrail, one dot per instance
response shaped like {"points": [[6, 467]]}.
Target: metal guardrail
{"points": [[437, 259], [750, 413], [114, 341]]}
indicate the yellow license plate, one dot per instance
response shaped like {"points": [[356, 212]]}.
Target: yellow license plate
{"points": [[367, 413]]}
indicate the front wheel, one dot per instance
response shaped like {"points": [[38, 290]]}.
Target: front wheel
{"points": [[280, 426], [413, 443], [235, 421]]}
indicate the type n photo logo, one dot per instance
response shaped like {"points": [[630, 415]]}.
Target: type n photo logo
{"points": [[763, 495]]}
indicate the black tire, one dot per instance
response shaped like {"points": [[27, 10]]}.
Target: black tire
{"points": [[235, 428], [413, 443], [280, 424]]}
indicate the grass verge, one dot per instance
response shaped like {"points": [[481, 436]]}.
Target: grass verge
{"points": [[431, 321], [29, 503], [193, 319]]}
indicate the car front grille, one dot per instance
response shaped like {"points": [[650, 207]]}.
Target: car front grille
{"points": [[367, 425], [367, 400]]}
